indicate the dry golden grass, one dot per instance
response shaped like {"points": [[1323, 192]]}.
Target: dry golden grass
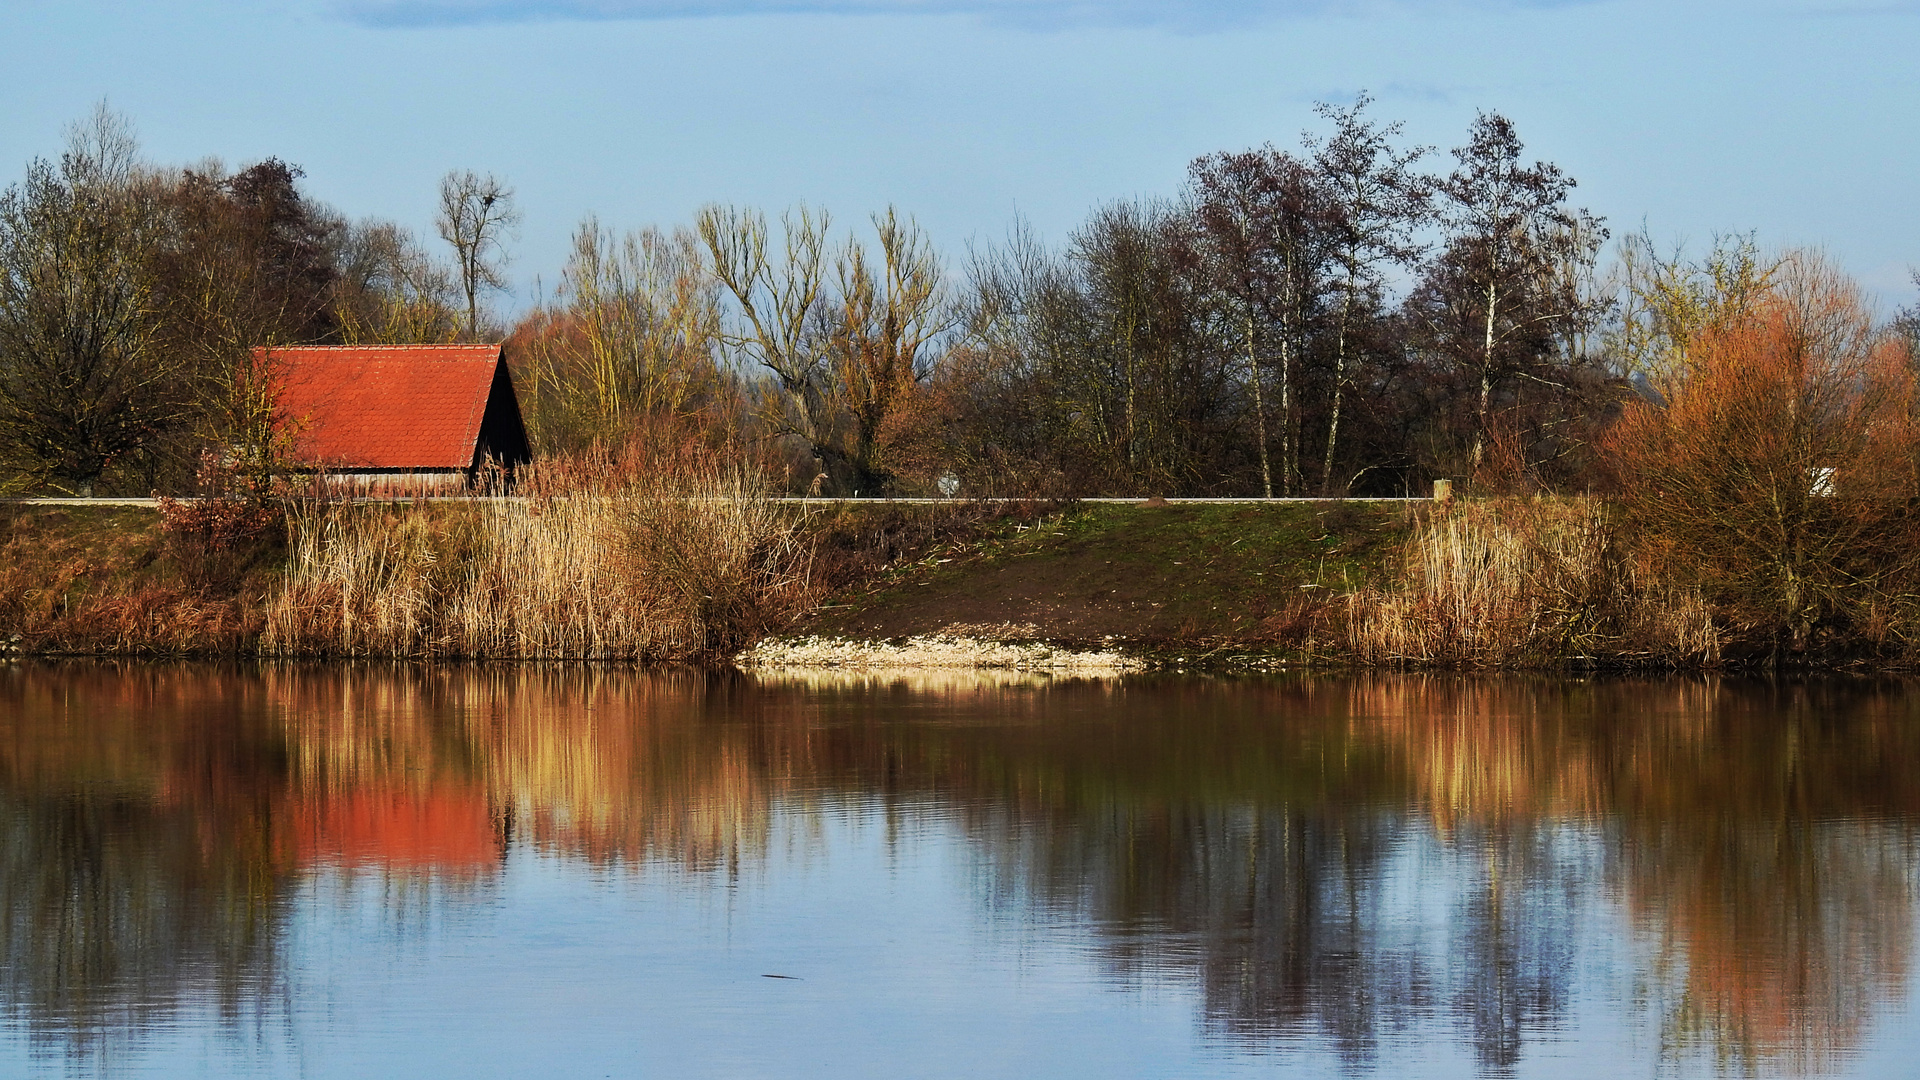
{"points": [[105, 581], [644, 554], [1520, 581]]}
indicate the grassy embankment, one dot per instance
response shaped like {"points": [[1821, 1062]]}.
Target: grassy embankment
{"points": [[451, 579], [107, 579], [1183, 584], [1501, 582], [625, 573]]}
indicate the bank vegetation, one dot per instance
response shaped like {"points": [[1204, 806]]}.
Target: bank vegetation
{"points": [[1663, 457]]}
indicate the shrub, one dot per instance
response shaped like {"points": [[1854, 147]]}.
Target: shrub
{"points": [[1778, 468], [215, 537]]}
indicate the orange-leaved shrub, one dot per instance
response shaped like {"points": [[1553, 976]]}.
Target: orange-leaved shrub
{"points": [[1777, 470]]}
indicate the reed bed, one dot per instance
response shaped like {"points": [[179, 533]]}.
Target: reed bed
{"points": [[635, 554], [1527, 581]]}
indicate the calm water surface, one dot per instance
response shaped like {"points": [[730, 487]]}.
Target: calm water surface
{"points": [[346, 872]]}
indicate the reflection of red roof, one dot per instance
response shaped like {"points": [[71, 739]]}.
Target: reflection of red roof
{"points": [[446, 830], [385, 406]]}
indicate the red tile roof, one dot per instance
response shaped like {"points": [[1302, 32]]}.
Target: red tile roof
{"points": [[384, 406]]}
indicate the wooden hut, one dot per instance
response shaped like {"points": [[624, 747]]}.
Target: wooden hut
{"points": [[421, 417]]}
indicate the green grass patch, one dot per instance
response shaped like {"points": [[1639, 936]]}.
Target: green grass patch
{"points": [[1203, 572]]}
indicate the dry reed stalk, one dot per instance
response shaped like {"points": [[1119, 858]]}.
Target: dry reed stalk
{"points": [[1507, 582], [642, 553]]}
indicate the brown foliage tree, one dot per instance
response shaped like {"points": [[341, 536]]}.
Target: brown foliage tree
{"points": [[83, 387], [247, 261], [1779, 466], [882, 340]]}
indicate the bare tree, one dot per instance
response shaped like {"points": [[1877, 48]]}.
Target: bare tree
{"points": [[1262, 244], [1002, 380], [391, 291], [1668, 300], [1152, 381], [1496, 298], [776, 307], [880, 334], [476, 213], [1102, 368], [81, 385], [636, 329], [1374, 199]]}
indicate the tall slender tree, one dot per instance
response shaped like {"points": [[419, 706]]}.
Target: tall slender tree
{"points": [[1495, 300], [476, 214], [1374, 201], [1260, 214]]}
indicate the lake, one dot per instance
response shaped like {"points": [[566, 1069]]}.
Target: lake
{"points": [[357, 871]]}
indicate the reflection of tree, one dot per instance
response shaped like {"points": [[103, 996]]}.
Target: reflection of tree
{"points": [[1275, 912], [1774, 945], [1348, 860], [1247, 834], [1263, 867], [1769, 862], [1514, 956], [139, 862], [111, 914]]}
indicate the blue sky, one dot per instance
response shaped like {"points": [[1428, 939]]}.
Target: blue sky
{"points": [[1795, 118]]}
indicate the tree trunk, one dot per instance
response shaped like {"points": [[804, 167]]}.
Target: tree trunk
{"points": [[1289, 449], [1132, 364], [1289, 465], [1339, 385], [1486, 377], [1259, 410], [470, 272]]}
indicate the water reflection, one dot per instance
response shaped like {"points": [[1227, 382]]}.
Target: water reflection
{"points": [[1340, 862]]}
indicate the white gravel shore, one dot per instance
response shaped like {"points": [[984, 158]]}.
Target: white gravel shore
{"points": [[933, 651]]}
